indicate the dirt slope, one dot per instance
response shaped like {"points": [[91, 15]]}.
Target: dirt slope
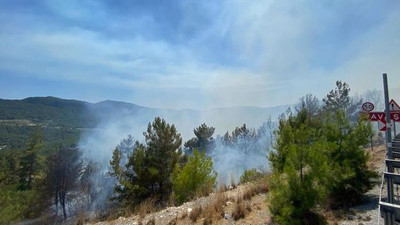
{"points": [[222, 207]]}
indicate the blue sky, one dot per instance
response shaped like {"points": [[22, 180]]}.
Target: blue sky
{"points": [[196, 54]]}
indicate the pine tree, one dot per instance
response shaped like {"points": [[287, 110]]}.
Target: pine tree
{"points": [[195, 177], [350, 175], [29, 160], [299, 170], [149, 168], [203, 140]]}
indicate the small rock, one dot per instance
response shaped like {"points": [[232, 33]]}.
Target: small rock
{"points": [[189, 210], [226, 216], [228, 203], [350, 217]]}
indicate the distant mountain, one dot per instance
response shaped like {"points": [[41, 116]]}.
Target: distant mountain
{"points": [[63, 120]]}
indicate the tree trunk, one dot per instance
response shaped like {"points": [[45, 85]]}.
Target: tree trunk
{"points": [[372, 144], [63, 206], [56, 201]]}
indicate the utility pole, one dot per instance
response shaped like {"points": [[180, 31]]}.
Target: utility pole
{"points": [[389, 215]]}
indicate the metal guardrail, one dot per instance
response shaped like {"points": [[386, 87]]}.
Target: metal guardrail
{"points": [[386, 207], [380, 197]]}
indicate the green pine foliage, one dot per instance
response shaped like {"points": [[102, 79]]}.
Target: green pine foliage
{"points": [[148, 171], [350, 175], [251, 175], [20, 182], [196, 177], [299, 171], [319, 160], [203, 140]]}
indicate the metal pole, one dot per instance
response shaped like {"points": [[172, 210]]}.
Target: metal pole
{"points": [[388, 123], [389, 216]]}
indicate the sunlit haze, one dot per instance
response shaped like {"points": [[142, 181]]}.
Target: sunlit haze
{"points": [[196, 54]]}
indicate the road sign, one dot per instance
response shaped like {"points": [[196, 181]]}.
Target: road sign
{"points": [[377, 116], [381, 125], [368, 106], [380, 117], [395, 116], [393, 106]]}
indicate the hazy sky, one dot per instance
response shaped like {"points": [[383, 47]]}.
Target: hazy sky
{"points": [[196, 54]]}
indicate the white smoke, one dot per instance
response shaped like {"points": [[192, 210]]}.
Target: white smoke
{"points": [[116, 123]]}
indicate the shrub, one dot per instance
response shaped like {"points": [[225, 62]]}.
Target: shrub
{"points": [[195, 177], [251, 175]]}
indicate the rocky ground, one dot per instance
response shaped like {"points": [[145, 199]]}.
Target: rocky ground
{"points": [[247, 204], [217, 208]]}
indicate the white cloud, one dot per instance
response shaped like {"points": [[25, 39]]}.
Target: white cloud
{"points": [[246, 53]]}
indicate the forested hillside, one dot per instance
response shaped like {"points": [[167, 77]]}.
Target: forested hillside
{"points": [[64, 120], [59, 119]]}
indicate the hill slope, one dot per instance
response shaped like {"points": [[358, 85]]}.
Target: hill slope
{"points": [[64, 120]]}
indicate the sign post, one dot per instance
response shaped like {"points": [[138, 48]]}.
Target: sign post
{"points": [[389, 217]]}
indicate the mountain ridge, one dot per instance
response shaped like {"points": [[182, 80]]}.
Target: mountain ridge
{"points": [[64, 119]]}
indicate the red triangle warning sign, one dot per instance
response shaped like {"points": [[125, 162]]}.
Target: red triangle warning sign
{"points": [[381, 125], [393, 106]]}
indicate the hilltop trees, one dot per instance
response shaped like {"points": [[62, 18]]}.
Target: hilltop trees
{"points": [[339, 99], [203, 140], [243, 138], [148, 171]]}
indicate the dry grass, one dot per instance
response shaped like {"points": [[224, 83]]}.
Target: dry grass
{"points": [[172, 200], [80, 219], [222, 188], [151, 221], [207, 221], [258, 187], [147, 206], [173, 221], [213, 210], [196, 212], [241, 210], [184, 215], [233, 181]]}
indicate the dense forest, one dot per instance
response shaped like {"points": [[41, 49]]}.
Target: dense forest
{"points": [[315, 152], [59, 119]]}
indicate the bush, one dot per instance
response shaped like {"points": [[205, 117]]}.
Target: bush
{"points": [[350, 176], [196, 177], [251, 175], [300, 167]]}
